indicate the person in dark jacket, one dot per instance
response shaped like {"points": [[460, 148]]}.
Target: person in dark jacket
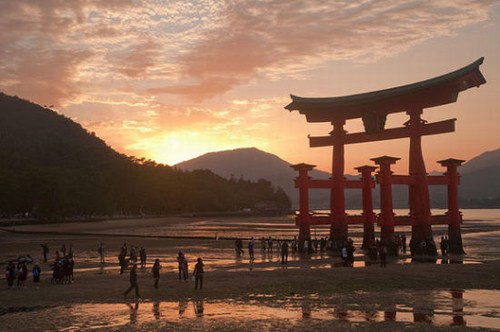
{"points": [[198, 273], [133, 281]]}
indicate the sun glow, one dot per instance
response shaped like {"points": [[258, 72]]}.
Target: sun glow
{"points": [[178, 146]]}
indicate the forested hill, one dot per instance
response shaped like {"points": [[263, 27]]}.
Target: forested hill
{"points": [[480, 179], [51, 167]]}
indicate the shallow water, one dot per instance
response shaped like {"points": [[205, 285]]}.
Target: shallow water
{"points": [[472, 308]]}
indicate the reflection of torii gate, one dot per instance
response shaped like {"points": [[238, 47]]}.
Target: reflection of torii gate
{"points": [[373, 108]]}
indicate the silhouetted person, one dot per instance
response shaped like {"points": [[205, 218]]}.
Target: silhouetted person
{"points": [[238, 247], [183, 266], [383, 255], [10, 274], [284, 252], [251, 245], [156, 272], [143, 255], [45, 251], [343, 255], [133, 281], [100, 250], [36, 271], [198, 273], [22, 274]]}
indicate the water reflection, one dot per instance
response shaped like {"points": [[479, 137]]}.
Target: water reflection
{"points": [[458, 307], [183, 304], [455, 307], [133, 312], [156, 310], [306, 310], [198, 308]]}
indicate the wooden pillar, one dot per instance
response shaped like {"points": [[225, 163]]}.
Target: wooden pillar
{"points": [[454, 233], [419, 201], [338, 229], [302, 182], [368, 214], [384, 178]]}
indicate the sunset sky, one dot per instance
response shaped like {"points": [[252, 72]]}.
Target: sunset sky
{"points": [[171, 80]]}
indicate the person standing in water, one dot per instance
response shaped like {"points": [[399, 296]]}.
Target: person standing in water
{"points": [[198, 273]]}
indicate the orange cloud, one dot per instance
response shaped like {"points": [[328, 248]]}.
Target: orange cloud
{"points": [[36, 58], [134, 60], [268, 35], [44, 76]]}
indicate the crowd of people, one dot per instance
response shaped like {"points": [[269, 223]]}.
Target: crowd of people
{"points": [[63, 264], [62, 267]]}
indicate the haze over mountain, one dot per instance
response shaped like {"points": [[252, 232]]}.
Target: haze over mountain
{"points": [[480, 181], [51, 167]]}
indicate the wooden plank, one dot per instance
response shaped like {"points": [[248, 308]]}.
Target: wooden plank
{"points": [[441, 127]]}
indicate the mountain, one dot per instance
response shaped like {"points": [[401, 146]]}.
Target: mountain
{"points": [[254, 164], [480, 178], [51, 167]]}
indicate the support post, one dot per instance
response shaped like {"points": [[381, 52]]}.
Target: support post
{"points": [[302, 182], [338, 229], [368, 214], [421, 242], [386, 209], [454, 232]]}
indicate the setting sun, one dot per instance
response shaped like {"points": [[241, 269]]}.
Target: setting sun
{"points": [[178, 146]]}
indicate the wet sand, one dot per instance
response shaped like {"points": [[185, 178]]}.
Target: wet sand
{"points": [[309, 292]]}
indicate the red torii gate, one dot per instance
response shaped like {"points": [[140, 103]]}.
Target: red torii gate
{"points": [[373, 108]]}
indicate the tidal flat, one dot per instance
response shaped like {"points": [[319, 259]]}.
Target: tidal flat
{"points": [[311, 292]]}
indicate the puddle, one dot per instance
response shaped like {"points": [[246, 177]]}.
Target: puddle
{"points": [[471, 308]]}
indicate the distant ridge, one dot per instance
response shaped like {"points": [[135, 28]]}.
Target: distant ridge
{"points": [[253, 164], [480, 178], [480, 182]]}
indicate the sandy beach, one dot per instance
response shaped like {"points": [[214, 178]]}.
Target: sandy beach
{"points": [[310, 292]]}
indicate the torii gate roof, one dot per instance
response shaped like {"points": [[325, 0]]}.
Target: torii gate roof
{"points": [[436, 91]]}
